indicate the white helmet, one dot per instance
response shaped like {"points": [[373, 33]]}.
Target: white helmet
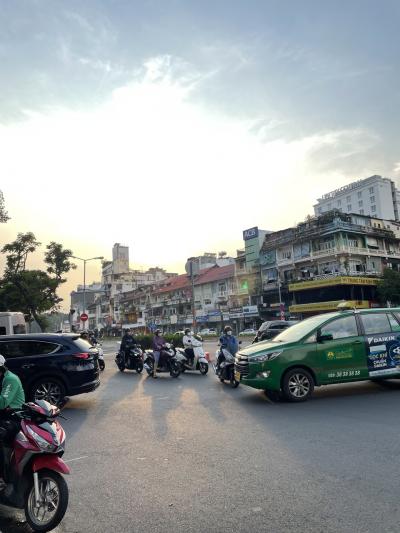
{"points": [[2, 360]]}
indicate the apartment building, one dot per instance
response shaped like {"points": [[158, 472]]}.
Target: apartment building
{"points": [[374, 196], [327, 259]]}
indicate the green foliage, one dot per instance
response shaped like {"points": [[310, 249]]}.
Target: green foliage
{"points": [[389, 287], [146, 341], [32, 291], [3, 213]]}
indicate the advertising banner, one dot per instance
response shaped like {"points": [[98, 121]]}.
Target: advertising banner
{"points": [[383, 352]]}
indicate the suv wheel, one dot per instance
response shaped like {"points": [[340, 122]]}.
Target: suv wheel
{"points": [[50, 389], [298, 385]]}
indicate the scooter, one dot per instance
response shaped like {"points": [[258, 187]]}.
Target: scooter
{"points": [[199, 363], [102, 364], [225, 370], [170, 361], [131, 361], [33, 467]]}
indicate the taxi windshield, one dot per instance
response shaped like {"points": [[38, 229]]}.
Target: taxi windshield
{"points": [[298, 331]]}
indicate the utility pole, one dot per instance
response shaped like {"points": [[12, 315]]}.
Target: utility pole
{"points": [[84, 279]]}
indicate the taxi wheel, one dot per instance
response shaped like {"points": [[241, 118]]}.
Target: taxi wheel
{"points": [[298, 385]]}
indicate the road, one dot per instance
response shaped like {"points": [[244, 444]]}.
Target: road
{"points": [[192, 455]]}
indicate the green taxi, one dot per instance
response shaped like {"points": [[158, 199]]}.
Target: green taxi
{"points": [[337, 347]]}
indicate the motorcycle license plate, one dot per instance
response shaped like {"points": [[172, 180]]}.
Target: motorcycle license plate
{"points": [[237, 376]]}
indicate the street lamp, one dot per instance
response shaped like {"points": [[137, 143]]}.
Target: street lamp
{"points": [[84, 278]]}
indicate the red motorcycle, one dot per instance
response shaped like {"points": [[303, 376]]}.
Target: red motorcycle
{"points": [[33, 467]]}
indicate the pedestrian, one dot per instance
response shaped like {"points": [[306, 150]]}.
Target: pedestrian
{"points": [[158, 345]]}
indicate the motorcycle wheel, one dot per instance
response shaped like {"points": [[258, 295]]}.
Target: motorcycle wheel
{"points": [[121, 368], [234, 384], [139, 368], [175, 369], [54, 490], [102, 364], [203, 368]]}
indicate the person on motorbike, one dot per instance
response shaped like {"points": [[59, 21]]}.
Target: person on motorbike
{"points": [[187, 341], [12, 397], [228, 342], [128, 341], [158, 345]]}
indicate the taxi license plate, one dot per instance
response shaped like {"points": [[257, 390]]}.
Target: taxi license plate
{"points": [[237, 376]]}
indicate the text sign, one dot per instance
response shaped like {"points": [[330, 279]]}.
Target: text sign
{"points": [[251, 233]]}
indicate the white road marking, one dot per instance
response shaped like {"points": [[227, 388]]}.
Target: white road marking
{"points": [[77, 459]]}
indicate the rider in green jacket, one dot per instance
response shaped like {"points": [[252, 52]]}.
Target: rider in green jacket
{"points": [[12, 397]]}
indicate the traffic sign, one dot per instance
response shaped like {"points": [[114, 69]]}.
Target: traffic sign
{"points": [[83, 317]]}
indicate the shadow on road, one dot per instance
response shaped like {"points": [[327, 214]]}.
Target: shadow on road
{"points": [[13, 521]]}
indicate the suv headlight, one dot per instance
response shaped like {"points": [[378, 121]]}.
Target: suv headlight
{"points": [[264, 357]]}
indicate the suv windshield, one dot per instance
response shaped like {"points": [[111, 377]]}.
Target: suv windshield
{"points": [[300, 330]]}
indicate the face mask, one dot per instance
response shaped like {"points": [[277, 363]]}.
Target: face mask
{"points": [[229, 332]]}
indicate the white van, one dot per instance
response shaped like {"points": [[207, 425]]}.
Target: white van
{"points": [[12, 323]]}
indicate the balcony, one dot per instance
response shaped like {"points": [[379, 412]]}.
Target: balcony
{"points": [[352, 250]]}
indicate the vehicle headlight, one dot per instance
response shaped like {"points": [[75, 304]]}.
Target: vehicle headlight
{"points": [[44, 445], [264, 357]]}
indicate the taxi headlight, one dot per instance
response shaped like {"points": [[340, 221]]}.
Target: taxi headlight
{"points": [[265, 357]]}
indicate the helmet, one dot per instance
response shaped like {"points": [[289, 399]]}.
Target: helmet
{"points": [[227, 328], [2, 361], [187, 330], [157, 331]]}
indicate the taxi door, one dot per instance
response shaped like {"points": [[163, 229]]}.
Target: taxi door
{"points": [[341, 351]]}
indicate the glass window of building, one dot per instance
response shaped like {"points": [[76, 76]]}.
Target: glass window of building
{"points": [[361, 211], [349, 207], [339, 203], [360, 203], [372, 199], [359, 194], [371, 190], [373, 208], [348, 198]]}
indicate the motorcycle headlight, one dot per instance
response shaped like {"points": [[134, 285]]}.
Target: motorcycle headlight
{"points": [[264, 357], [43, 444]]}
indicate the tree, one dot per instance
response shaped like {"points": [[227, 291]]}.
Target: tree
{"points": [[3, 213], [33, 291], [389, 287]]}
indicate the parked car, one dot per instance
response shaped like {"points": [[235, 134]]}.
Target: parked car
{"points": [[249, 331], [208, 331], [269, 330], [51, 366], [332, 348]]}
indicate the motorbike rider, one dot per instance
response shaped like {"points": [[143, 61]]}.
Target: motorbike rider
{"points": [[187, 340], [158, 345], [128, 341], [228, 342], [12, 397]]}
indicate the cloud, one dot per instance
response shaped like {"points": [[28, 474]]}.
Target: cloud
{"points": [[153, 168]]}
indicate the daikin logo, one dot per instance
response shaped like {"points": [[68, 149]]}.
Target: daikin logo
{"points": [[381, 339]]}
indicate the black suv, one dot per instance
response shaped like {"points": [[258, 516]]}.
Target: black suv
{"points": [[51, 366], [269, 330]]}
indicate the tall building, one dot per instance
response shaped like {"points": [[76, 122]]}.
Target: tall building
{"points": [[374, 196], [120, 257]]}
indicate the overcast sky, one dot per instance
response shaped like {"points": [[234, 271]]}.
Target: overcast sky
{"points": [[172, 125]]}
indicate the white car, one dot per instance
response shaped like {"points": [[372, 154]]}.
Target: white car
{"points": [[249, 331], [208, 332]]}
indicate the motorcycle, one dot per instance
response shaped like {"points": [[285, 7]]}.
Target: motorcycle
{"points": [[199, 362], [33, 467], [225, 370], [102, 364], [170, 361], [133, 360]]}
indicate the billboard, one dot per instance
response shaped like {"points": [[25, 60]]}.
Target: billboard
{"points": [[251, 233]]}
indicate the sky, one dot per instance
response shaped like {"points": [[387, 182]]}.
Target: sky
{"points": [[171, 126]]}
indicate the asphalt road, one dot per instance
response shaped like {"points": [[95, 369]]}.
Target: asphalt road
{"points": [[193, 455]]}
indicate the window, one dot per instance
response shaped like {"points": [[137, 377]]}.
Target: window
{"points": [[373, 208], [348, 199], [3, 331], [339, 203], [372, 199], [359, 194], [329, 206], [349, 207], [11, 349], [341, 328], [376, 323], [360, 203], [371, 190], [361, 211]]}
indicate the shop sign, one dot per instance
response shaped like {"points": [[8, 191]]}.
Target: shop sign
{"points": [[251, 233], [336, 280], [250, 310], [236, 315]]}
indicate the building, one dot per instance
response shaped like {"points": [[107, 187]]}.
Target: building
{"points": [[374, 196], [327, 259]]}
